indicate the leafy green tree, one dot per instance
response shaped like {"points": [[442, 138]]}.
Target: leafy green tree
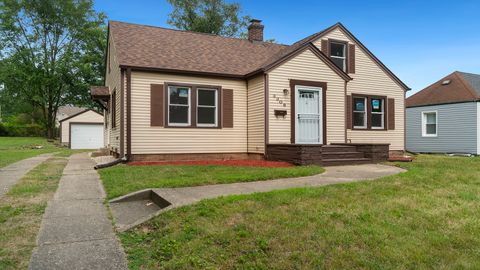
{"points": [[208, 16], [50, 52]]}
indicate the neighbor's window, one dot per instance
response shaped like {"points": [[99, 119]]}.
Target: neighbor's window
{"points": [[429, 127], [338, 54], [179, 105], [207, 101], [377, 113], [359, 112]]}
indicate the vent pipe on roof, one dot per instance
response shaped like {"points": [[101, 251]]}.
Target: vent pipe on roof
{"points": [[446, 82], [255, 30]]}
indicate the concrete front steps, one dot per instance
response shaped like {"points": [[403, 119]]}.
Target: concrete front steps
{"points": [[335, 155]]}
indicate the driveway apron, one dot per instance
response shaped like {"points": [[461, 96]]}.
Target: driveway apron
{"points": [[76, 232], [10, 174]]}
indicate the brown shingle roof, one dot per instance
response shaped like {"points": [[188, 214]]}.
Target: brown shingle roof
{"points": [[99, 91], [156, 47], [457, 90]]}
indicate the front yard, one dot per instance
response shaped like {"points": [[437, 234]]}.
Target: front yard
{"points": [[13, 149], [123, 179], [427, 217]]}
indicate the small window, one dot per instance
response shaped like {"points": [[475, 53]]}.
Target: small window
{"points": [[338, 54], [359, 112], [378, 119], [207, 107], [179, 106], [429, 124]]}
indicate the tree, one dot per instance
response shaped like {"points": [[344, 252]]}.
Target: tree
{"points": [[208, 16], [50, 52]]}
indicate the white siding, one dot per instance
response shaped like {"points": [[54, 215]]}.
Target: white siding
{"points": [[148, 139], [305, 66], [256, 115], [370, 79], [86, 117]]}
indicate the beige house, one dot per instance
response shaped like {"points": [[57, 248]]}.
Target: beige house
{"points": [[173, 94]]}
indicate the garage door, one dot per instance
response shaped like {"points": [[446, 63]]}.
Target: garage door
{"points": [[86, 136]]}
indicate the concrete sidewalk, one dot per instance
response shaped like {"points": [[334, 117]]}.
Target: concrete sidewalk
{"points": [[137, 207], [10, 174], [76, 232]]}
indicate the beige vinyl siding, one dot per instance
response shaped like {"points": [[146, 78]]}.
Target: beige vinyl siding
{"points": [[370, 79], [86, 117], [148, 139], [305, 66], [112, 80], [256, 115]]}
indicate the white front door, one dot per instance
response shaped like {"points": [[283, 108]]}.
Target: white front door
{"points": [[308, 115]]}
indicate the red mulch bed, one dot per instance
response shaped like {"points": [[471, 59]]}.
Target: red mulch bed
{"points": [[400, 158], [244, 163]]}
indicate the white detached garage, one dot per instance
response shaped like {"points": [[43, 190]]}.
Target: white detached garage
{"points": [[83, 130]]}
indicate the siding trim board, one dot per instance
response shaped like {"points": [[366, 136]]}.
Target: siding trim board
{"points": [[129, 113]]}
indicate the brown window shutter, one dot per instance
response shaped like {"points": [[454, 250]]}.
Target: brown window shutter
{"points": [[349, 112], [227, 108], [391, 113], [325, 48], [351, 58], [156, 104]]}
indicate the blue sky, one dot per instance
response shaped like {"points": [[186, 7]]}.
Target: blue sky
{"points": [[420, 41]]}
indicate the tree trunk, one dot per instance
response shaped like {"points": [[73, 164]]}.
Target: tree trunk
{"points": [[50, 123]]}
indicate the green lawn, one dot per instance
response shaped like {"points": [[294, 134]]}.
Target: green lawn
{"points": [[426, 218], [13, 149], [123, 179], [21, 211]]}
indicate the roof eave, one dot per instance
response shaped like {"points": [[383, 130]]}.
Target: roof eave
{"points": [[369, 53], [184, 72], [292, 54]]}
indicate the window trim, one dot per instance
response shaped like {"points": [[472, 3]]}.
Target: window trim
{"points": [[193, 105], [381, 113], [181, 105], [215, 124], [369, 112], [424, 123], [345, 48], [365, 111]]}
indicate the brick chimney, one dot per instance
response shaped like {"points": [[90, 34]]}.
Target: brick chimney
{"points": [[255, 30]]}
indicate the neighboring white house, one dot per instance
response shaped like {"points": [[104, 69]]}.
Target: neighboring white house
{"points": [[445, 116], [83, 130]]}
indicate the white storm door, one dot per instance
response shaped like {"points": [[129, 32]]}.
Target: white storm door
{"points": [[309, 118]]}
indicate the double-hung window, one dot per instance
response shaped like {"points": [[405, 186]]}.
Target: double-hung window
{"points": [[377, 113], [179, 99], [338, 54], [360, 112], [369, 112], [207, 106], [429, 124]]}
